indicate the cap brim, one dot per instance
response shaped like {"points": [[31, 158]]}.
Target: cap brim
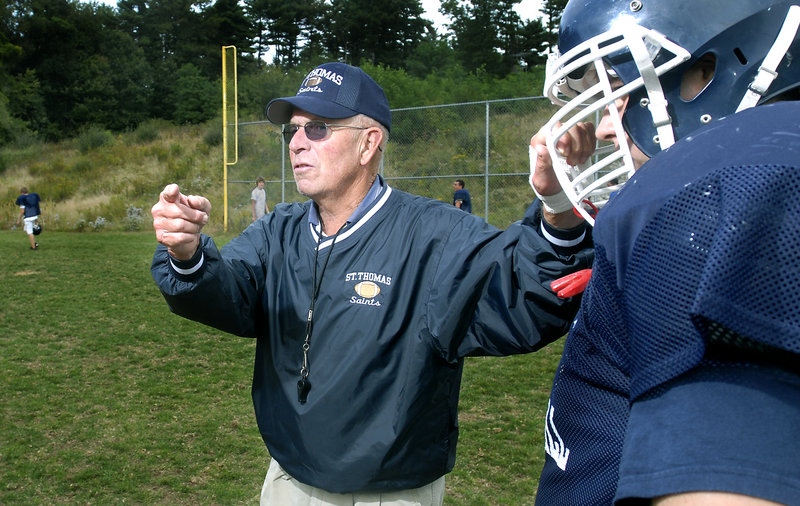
{"points": [[280, 110]]}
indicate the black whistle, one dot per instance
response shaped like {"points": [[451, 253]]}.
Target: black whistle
{"points": [[303, 386]]}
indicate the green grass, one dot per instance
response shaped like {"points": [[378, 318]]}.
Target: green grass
{"points": [[107, 397]]}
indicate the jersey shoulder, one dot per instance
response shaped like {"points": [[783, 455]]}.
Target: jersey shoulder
{"points": [[755, 141], [707, 232]]}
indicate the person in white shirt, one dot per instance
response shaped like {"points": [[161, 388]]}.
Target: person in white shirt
{"points": [[258, 199]]}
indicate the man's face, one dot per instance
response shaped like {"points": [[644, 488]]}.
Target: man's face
{"points": [[456, 186], [326, 168], [605, 129], [260, 184]]}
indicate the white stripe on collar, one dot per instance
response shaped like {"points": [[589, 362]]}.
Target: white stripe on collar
{"points": [[352, 229]]}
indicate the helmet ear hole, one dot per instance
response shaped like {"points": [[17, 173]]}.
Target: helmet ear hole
{"points": [[740, 56], [698, 76]]}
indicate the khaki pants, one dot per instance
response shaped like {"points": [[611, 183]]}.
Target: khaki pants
{"points": [[280, 489]]}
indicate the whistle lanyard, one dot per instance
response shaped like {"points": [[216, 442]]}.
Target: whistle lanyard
{"points": [[304, 385]]}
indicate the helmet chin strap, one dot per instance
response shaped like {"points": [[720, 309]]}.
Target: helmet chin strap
{"points": [[766, 73]]}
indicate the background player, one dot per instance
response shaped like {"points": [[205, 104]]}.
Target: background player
{"points": [[461, 196], [679, 379], [258, 199], [29, 211]]}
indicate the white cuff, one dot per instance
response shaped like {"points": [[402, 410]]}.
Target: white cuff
{"points": [[191, 270], [564, 243]]}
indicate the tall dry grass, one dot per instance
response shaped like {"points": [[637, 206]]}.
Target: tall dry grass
{"points": [[99, 175]]}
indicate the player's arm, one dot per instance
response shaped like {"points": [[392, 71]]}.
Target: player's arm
{"points": [[711, 499], [253, 206]]}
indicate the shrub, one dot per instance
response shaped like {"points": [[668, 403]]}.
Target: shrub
{"points": [[25, 139], [93, 138], [98, 224], [62, 187], [134, 218], [213, 135], [148, 131], [179, 169], [81, 166]]}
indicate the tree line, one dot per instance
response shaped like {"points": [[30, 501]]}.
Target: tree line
{"points": [[66, 65]]}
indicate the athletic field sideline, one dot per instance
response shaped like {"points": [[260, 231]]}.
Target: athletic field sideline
{"points": [[107, 397]]}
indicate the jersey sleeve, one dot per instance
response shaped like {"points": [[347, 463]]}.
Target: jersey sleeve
{"points": [[729, 427]]}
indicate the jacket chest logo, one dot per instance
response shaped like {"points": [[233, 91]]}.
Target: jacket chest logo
{"points": [[368, 287]]}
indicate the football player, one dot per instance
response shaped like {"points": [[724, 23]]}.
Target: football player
{"points": [[679, 379]]}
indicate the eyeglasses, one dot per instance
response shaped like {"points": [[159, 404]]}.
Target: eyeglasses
{"points": [[315, 130]]}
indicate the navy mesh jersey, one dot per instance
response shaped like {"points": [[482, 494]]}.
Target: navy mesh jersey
{"points": [[703, 242]]}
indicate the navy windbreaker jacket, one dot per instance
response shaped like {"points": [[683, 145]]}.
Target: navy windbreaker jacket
{"points": [[409, 290]]}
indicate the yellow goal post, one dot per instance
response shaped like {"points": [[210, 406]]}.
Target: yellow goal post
{"points": [[230, 107]]}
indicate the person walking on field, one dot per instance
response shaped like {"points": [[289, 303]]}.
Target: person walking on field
{"points": [[258, 199], [29, 212], [461, 197], [364, 301]]}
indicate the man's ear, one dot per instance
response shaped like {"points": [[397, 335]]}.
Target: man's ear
{"points": [[372, 140], [697, 77]]}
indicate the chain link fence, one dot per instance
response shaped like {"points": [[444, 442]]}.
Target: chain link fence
{"points": [[483, 143]]}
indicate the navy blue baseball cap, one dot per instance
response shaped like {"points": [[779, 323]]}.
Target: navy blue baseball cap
{"points": [[334, 91]]}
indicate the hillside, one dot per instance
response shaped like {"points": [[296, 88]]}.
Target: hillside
{"points": [[100, 181]]}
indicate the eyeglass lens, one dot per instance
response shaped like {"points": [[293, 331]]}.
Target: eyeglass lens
{"points": [[315, 131]]}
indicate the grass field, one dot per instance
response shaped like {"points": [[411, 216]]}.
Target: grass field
{"points": [[106, 397]]}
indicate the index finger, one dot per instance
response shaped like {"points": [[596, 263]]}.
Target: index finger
{"points": [[200, 203], [175, 205]]}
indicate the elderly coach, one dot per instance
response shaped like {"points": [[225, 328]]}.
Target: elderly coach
{"points": [[364, 302]]}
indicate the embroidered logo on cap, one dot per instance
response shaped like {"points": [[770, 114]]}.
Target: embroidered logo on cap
{"points": [[316, 77]]}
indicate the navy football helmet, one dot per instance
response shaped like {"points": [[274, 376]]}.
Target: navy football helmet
{"points": [[639, 49], [37, 229]]}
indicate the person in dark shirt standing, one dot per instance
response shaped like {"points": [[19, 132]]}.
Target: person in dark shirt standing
{"points": [[461, 198]]}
